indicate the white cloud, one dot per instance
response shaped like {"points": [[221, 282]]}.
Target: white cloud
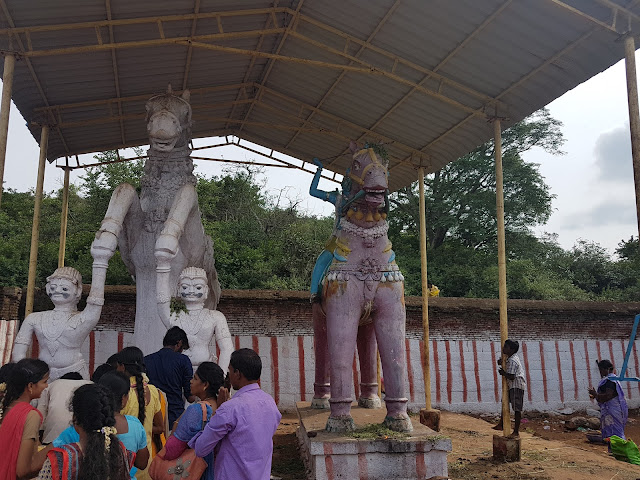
{"points": [[613, 155]]}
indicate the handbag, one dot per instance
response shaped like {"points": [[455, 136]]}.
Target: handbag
{"points": [[187, 465]]}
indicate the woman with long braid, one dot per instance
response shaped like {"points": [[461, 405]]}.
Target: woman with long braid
{"points": [[98, 454], [144, 399], [19, 441], [129, 429]]}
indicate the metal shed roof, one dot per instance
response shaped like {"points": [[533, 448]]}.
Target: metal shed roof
{"points": [[303, 77]]}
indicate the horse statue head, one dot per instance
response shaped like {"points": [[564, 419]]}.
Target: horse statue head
{"points": [[168, 121], [366, 186]]}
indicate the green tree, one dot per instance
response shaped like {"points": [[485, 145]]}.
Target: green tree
{"points": [[460, 197]]}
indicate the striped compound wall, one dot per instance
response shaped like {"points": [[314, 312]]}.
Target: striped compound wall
{"points": [[560, 342], [464, 376]]}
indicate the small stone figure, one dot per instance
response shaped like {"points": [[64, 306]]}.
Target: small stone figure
{"points": [[204, 327], [62, 331]]}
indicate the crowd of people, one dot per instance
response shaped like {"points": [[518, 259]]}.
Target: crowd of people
{"points": [[132, 411]]}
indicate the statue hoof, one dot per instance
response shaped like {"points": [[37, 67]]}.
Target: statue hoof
{"points": [[103, 247], [320, 403], [166, 247], [340, 424], [370, 402], [400, 423]]}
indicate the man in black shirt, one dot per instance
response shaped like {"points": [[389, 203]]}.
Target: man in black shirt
{"points": [[171, 371]]}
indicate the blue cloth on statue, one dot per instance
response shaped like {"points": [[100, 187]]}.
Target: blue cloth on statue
{"points": [[322, 263]]}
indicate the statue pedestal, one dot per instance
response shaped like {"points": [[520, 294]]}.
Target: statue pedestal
{"points": [[328, 456]]}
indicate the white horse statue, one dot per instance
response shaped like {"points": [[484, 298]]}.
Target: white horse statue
{"points": [[165, 222]]}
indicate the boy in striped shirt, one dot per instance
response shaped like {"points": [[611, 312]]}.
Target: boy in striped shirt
{"points": [[515, 381]]}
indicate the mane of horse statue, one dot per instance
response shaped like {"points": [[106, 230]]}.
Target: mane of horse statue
{"points": [[361, 302], [162, 230]]}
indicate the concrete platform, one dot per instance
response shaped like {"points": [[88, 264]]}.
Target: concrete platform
{"points": [[330, 456]]}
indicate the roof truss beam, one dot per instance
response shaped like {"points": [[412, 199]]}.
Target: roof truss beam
{"points": [[351, 62], [620, 20], [133, 98], [30, 30], [36, 80], [366, 69], [442, 62], [267, 72]]}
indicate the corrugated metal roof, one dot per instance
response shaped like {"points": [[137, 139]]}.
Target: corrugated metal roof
{"points": [[305, 76]]}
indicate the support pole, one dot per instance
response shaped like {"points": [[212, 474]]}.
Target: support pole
{"points": [[428, 416], [5, 108], [35, 229], [634, 116], [425, 292], [502, 269], [63, 218]]}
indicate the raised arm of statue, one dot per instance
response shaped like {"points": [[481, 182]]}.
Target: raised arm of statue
{"points": [[321, 194], [102, 249], [23, 339], [223, 339]]}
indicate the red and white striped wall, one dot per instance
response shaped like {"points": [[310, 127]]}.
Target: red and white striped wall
{"points": [[464, 373]]}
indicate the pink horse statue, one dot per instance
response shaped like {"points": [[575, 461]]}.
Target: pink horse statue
{"points": [[361, 301]]}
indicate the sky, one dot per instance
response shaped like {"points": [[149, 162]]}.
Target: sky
{"points": [[592, 182]]}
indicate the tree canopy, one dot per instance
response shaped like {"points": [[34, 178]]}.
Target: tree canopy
{"points": [[264, 241]]}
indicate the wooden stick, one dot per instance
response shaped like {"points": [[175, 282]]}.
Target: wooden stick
{"points": [[634, 116], [63, 218], [425, 293], [35, 229], [502, 270], [5, 108]]}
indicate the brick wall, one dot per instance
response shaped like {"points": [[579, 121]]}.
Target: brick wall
{"points": [[559, 343]]}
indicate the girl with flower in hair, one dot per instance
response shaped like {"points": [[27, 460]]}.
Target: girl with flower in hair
{"points": [[19, 455], [98, 454]]}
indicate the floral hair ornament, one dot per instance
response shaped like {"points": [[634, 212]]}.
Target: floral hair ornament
{"points": [[107, 432], [3, 387]]}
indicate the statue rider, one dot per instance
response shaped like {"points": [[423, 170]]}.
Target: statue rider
{"points": [[341, 201]]}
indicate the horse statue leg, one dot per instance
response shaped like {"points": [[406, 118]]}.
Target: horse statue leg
{"points": [[389, 322], [166, 248], [343, 307], [123, 212], [368, 367], [321, 386]]}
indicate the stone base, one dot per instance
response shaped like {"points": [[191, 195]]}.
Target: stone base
{"points": [[340, 424], [430, 418], [329, 456], [506, 449], [372, 402], [320, 403], [401, 424]]}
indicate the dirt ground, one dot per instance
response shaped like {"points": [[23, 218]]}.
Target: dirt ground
{"points": [[547, 454]]}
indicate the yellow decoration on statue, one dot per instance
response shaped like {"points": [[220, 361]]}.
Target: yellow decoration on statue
{"points": [[350, 213], [359, 215], [384, 216], [369, 217], [377, 217]]}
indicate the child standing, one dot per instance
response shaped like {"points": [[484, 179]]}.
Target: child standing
{"points": [[515, 381]]}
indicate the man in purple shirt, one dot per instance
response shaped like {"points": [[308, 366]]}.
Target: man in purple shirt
{"points": [[242, 427]]}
